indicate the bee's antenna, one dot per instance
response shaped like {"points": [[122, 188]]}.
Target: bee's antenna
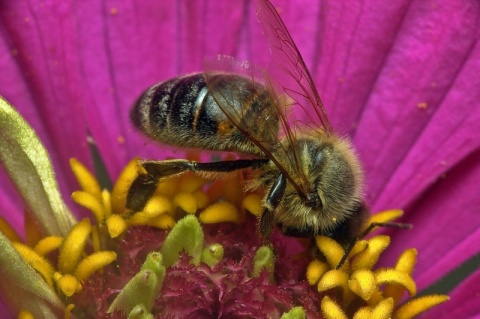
{"points": [[365, 233]]}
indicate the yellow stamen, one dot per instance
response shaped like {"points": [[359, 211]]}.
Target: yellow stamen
{"points": [[68, 311], [164, 221], [86, 179], [315, 270], [73, 245], [220, 212], [67, 284], [362, 313], [383, 310], [107, 202], [363, 283], [201, 198], [168, 187], [90, 202], [419, 305], [253, 203], [186, 201], [331, 310], [394, 276], [332, 279], [8, 230], [40, 264], [124, 181], [385, 216], [190, 182], [116, 225], [360, 246], [48, 244], [332, 250], [369, 257], [94, 262], [158, 205], [24, 314], [96, 239], [405, 264]]}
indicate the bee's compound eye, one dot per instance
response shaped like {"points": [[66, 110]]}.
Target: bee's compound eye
{"points": [[318, 159], [313, 200]]}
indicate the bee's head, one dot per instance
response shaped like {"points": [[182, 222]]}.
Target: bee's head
{"points": [[334, 180], [337, 179]]}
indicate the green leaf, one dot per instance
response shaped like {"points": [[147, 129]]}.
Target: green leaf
{"points": [[28, 166]]}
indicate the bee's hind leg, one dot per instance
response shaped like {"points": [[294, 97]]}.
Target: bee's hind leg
{"points": [[144, 186]]}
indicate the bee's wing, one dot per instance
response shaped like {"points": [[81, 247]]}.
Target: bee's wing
{"points": [[263, 122], [289, 71]]}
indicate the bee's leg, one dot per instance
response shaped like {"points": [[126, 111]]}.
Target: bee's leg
{"points": [[273, 199], [365, 233], [145, 185]]}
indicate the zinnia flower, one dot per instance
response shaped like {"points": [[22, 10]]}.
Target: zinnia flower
{"points": [[400, 78]]}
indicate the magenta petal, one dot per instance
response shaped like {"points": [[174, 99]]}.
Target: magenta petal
{"points": [[464, 302], [42, 68], [445, 224]]}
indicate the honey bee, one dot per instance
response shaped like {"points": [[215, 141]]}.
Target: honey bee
{"points": [[312, 176]]}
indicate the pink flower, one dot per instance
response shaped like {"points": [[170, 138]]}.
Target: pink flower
{"points": [[401, 78]]}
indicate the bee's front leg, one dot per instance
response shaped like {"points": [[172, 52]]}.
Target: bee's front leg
{"points": [[272, 201]]}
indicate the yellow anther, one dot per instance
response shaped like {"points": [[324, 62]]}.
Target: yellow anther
{"points": [[91, 203], [315, 270], [406, 261], [201, 198], [419, 305], [68, 284], [369, 257], [383, 310], [94, 262], [40, 264], [385, 216], [86, 179], [8, 231], [384, 276], [68, 311], [164, 221], [359, 246], [168, 187], [190, 182], [122, 186], [116, 225], [363, 283], [96, 239], [107, 202], [363, 313], [331, 310], [72, 247], [158, 205], [24, 314], [186, 201], [220, 212], [332, 250], [48, 244], [405, 264], [253, 203], [332, 279]]}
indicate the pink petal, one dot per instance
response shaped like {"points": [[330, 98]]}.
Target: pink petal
{"points": [[464, 302]]}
